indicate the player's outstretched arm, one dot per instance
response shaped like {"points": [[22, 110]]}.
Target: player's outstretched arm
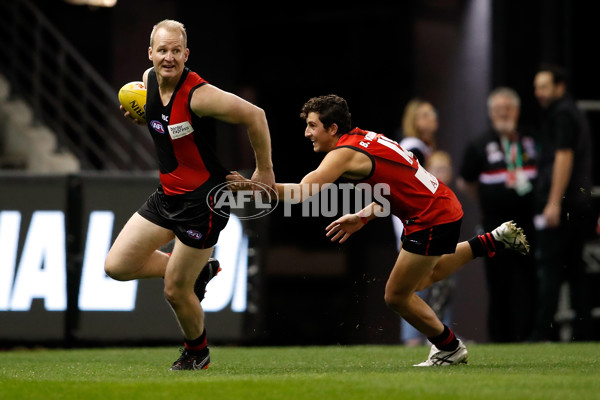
{"points": [[335, 164]]}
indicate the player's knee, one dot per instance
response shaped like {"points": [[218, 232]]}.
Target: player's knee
{"points": [[170, 296], [174, 296], [396, 300], [112, 268], [111, 271]]}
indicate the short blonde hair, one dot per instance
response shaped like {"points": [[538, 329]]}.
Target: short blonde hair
{"points": [[171, 26]]}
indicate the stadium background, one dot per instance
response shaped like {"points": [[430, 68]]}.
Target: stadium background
{"points": [[450, 52]]}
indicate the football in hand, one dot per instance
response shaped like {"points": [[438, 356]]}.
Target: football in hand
{"points": [[132, 97]]}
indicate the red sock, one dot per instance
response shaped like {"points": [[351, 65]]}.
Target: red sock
{"points": [[483, 245], [447, 341], [196, 345]]}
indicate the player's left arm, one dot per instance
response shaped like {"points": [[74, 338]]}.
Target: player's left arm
{"points": [[335, 164], [210, 101]]}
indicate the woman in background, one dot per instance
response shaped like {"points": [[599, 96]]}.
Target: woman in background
{"points": [[419, 128]]}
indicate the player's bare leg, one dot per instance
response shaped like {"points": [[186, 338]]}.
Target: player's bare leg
{"points": [[408, 273], [184, 267], [134, 253], [411, 269], [185, 264], [508, 236], [448, 264]]}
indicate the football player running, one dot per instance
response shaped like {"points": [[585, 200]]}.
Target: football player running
{"points": [[429, 209]]}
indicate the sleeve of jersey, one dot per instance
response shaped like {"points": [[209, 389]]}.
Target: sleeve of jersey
{"points": [[197, 80]]}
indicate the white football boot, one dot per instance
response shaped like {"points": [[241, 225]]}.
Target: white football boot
{"points": [[439, 357], [512, 236]]}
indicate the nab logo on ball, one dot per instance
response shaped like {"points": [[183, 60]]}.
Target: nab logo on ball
{"points": [[132, 97], [247, 204], [137, 109]]}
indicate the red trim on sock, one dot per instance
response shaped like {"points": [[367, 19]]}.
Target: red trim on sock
{"points": [[491, 240], [487, 241], [448, 339], [196, 349], [492, 245]]}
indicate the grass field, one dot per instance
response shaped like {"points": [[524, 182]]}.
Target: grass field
{"points": [[520, 371]]}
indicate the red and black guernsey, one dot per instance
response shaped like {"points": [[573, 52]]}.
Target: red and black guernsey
{"points": [[416, 196], [187, 163]]}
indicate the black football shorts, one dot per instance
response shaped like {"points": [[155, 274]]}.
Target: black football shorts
{"points": [[191, 219], [434, 241]]}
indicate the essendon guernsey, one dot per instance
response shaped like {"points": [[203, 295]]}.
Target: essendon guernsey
{"points": [[416, 196], [186, 161]]}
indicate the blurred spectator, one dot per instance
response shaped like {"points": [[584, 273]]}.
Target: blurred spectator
{"points": [[563, 204], [440, 165], [419, 127], [498, 169]]}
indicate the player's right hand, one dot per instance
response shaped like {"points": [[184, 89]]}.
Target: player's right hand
{"points": [[343, 227], [130, 116]]}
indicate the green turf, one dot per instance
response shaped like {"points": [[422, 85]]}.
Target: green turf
{"points": [[522, 371]]}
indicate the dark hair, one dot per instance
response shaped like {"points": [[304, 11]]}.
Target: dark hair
{"points": [[332, 109], [559, 74]]}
